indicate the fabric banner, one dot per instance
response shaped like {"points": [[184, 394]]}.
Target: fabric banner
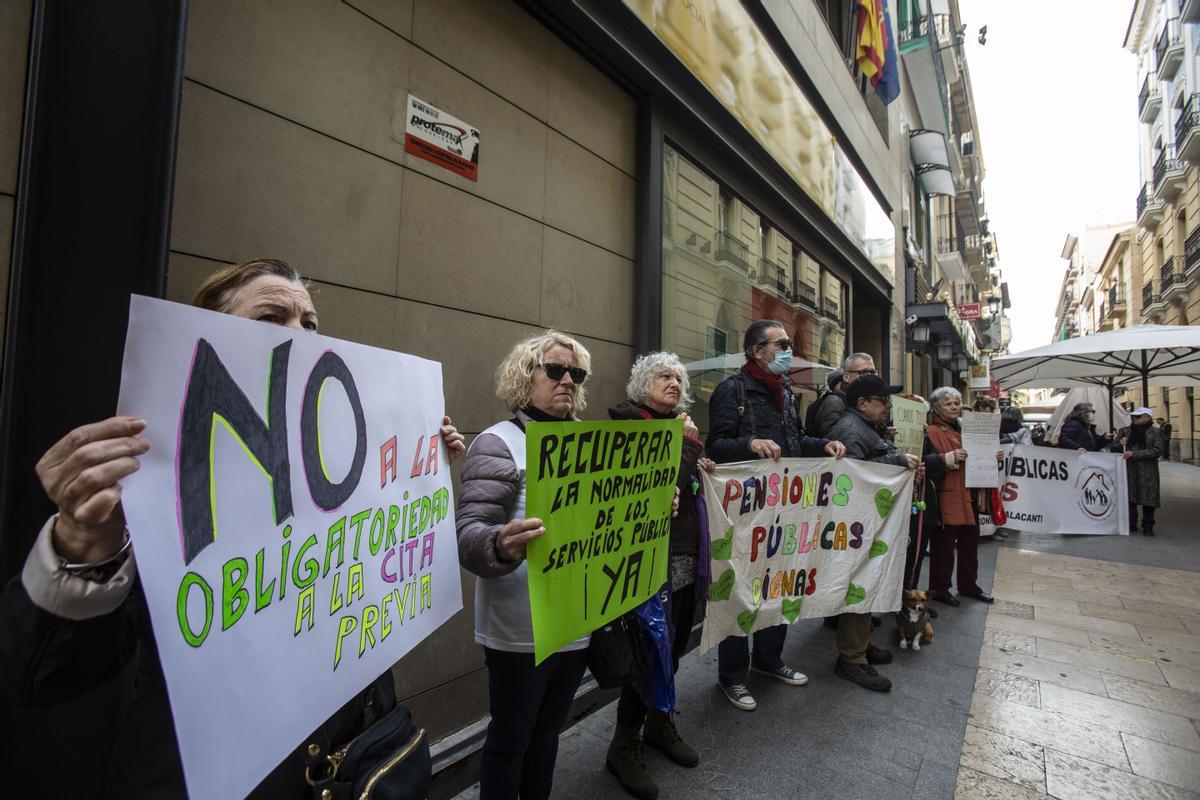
{"points": [[293, 525], [1053, 490], [604, 491], [908, 418], [801, 538]]}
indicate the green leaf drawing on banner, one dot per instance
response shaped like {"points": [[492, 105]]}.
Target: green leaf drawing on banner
{"points": [[884, 500], [722, 587], [843, 485], [791, 608], [878, 548], [855, 595], [722, 549], [745, 620]]}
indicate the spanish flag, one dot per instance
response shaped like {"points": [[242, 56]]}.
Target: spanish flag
{"points": [[872, 39]]}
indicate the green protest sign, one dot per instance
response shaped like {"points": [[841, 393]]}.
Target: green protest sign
{"points": [[908, 418], [604, 491]]}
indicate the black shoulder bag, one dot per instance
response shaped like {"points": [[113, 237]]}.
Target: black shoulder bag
{"points": [[389, 760]]}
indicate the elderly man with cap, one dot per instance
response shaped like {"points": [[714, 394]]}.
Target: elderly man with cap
{"points": [[1142, 445], [863, 431]]}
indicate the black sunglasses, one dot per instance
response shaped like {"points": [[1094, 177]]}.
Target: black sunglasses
{"points": [[555, 372], [784, 344]]}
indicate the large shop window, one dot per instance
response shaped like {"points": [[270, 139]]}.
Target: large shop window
{"points": [[724, 266]]}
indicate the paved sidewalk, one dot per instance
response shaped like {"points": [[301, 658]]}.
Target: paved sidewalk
{"points": [[1082, 681], [1087, 683]]}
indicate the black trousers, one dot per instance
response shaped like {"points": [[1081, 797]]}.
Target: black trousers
{"points": [[631, 709], [1147, 516], [529, 705], [733, 654]]}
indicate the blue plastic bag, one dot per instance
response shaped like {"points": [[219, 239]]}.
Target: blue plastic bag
{"points": [[657, 682]]}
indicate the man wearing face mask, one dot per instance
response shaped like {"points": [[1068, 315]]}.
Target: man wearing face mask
{"points": [[753, 415]]}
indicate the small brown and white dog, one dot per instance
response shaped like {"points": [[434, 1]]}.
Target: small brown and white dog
{"points": [[912, 620]]}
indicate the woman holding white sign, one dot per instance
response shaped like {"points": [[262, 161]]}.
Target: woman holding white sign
{"points": [[77, 615], [541, 379], [959, 530]]}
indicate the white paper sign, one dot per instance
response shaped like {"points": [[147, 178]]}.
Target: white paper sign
{"points": [[292, 522], [1055, 490], [981, 440], [801, 538]]}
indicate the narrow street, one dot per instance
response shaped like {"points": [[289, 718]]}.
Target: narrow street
{"points": [[1082, 681]]}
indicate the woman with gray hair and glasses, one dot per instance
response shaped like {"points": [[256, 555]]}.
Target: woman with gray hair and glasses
{"points": [[658, 389]]}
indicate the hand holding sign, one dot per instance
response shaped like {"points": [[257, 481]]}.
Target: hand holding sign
{"points": [[765, 448], [515, 535], [81, 474]]}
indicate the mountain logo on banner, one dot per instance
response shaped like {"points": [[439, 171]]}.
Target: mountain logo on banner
{"points": [[1097, 493]]}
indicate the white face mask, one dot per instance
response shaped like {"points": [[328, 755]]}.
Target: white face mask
{"points": [[782, 363]]}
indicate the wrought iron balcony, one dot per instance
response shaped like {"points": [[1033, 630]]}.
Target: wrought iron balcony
{"points": [[1152, 303], [806, 294], [830, 308], [1149, 100], [1149, 208], [1187, 131], [1191, 252], [1116, 300], [772, 275], [733, 251], [1170, 175], [1168, 51], [1171, 282]]}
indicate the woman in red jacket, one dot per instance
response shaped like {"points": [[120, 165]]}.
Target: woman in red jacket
{"points": [[960, 526]]}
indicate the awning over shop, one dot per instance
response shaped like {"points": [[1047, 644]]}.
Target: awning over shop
{"points": [[928, 148], [936, 180]]}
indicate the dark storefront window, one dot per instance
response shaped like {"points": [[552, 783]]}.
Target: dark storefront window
{"points": [[725, 265]]}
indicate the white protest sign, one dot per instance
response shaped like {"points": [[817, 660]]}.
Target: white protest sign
{"points": [[293, 526], [1054, 490], [801, 538], [981, 440]]}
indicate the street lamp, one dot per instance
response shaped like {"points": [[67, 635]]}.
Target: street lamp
{"points": [[945, 351], [994, 304], [920, 333]]}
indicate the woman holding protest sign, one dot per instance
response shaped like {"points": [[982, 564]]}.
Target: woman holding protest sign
{"points": [[658, 389], [77, 614], [541, 379], [959, 529]]}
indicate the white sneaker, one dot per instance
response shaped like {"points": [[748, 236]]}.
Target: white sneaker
{"points": [[792, 677], [740, 696]]}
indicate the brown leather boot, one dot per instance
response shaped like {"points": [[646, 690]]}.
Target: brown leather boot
{"points": [[627, 761], [661, 733]]}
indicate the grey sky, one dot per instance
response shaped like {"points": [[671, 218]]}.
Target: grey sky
{"points": [[1056, 99]]}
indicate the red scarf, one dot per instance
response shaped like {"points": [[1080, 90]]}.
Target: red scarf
{"points": [[768, 379]]}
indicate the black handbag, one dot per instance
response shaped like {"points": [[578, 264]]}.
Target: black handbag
{"points": [[388, 761], [615, 653]]}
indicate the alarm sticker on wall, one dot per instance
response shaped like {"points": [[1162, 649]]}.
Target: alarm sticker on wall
{"points": [[435, 136]]}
